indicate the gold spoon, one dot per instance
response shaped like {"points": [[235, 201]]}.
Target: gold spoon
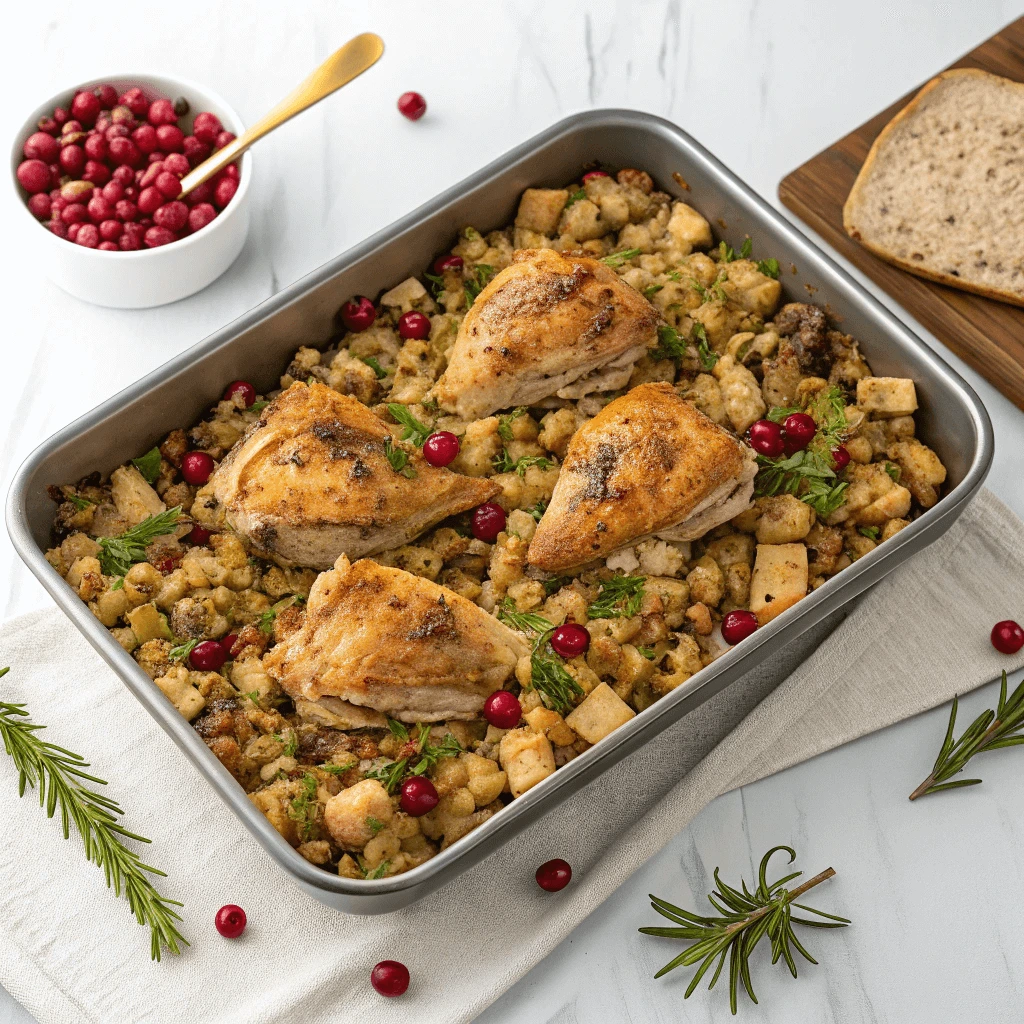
{"points": [[339, 69]]}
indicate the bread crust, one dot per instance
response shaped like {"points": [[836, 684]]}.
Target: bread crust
{"points": [[1000, 295]]}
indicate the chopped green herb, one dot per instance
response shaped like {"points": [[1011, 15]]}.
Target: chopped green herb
{"points": [[398, 458], [769, 267], [705, 353], [670, 345], [807, 475], [778, 413], [652, 289], [525, 622], [551, 679], [503, 463], [118, 583], [746, 248], [429, 755], [717, 288], [266, 619], [79, 502], [259, 406], [254, 696], [538, 510], [647, 652], [618, 259], [482, 273], [675, 275], [303, 809], [619, 597], [470, 233], [436, 283], [871, 532], [148, 465], [555, 583], [415, 431], [398, 729], [119, 554], [579, 194], [374, 824], [182, 651], [699, 289], [291, 744], [378, 872], [374, 365], [337, 769], [893, 470], [389, 775], [726, 253], [505, 423]]}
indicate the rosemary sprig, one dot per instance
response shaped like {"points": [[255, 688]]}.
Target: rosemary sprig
{"points": [[119, 554], [619, 259], [393, 772], [745, 918], [989, 731], [619, 597], [415, 431], [59, 774]]}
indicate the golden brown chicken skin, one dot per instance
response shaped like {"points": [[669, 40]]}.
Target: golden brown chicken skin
{"points": [[386, 639], [648, 463], [550, 324], [312, 480]]}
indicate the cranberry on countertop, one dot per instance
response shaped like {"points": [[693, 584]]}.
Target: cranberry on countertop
{"points": [[503, 710], [441, 448], [1007, 636], [413, 325], [390, 978], [230, 921], [208, 656], [738, 625], [357, 314], [418, 796], [570, 640], [554, 875], [766, 438], [243, 388], [196, 467], [412, 105], [488, 521]]}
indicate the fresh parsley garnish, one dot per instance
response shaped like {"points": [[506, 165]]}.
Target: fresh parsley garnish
{"points": [[374, 824], [415, 431], [705, 353], [726, 253], [555, 583], [482, 273], [647, 652], [505, 423], [893, 470], [148, 465], [378, 872], [538, 510], [746, 248], [675, 275], [618, 259], [289, 745], [652, 289], [391, 774], [503, 463], [398, 729], [436, 283], [672, 346], [619, 597], [259, 406], [717, 288], [398, 458], [779, 412], [807, 475], [266, 620], [769, 267], [183, 650], [576, 196], [871, 532], [378, 370], [119, 554]]}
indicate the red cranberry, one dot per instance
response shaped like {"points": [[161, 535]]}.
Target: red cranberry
{"points": [[161, 112], [231, 171], [72, 231], [107, 95], [61, 116], [207, 127], [112, 191], [99, 209], [390, 978], [357, 314], [170, 138], [223, 138], [71, 127], [418, 796], [131, 192], [74, 213], [224, 191], [177, 163], [72, 160], [199, 216], [488, 521], [116, 131], [126, 209], [88, 235], [207, 656], [196, 467], [195, 152], [738, 625], [48, 125], [441, 448], [198, 535], [554, 875], [413, 325], [40, 205], [503, 710], [111, 230], [151, 173], [449, 262], [243, 388], [1007, 636], [124, 176], [57, 227], [145, 138], [108, 246], [135, 100], [412, 105], [200, 194], [841, 458], [230, 921], [168, 184], [157, 236], [129, 241], [766, 438], [40, 146], [173, 216], [123, 116], [228, 642], [570, 640], [97, 173], [150, 200], [156, 157], [96, 147], [34, 176], [595, 174], [124, 151], [103, 122], [85, 107], [799, 428]]}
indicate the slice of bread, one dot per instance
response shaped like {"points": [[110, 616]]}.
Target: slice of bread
{"points": [[941, 193]]}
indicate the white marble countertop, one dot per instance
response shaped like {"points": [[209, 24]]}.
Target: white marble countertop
{"points": [[937, 931]]}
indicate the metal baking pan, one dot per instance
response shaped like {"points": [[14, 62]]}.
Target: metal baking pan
{"points": [[259, 345]]}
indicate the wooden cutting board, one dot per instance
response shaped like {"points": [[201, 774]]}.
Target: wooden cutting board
{"points": [[987, 335]]}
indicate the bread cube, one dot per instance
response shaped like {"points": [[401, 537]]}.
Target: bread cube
{"points": [[133, 497], [779, 579], [177, 689], [148, 624], [347, 815], [527, 757], [404, 295], [893, 504], [601, 713], [784, 519], [552, 725], [688, 228], [887, 396], [540, 208]]}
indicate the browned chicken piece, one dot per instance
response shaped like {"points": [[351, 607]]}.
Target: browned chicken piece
{"points": [[312, 480], [648, 464], [550, 324], [386, 639]]}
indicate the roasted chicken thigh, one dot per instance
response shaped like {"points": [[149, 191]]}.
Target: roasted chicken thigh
{"points": [[312, 480], [385, 639], [648, 464], [550, 324]]}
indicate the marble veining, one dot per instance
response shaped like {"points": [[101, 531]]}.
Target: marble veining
{"points": [[931, 886]]}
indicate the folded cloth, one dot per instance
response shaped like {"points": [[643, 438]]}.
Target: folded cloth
{"points": [[70, 951]]}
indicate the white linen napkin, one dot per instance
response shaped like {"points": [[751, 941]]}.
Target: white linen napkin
{"points": [[70, 952]]}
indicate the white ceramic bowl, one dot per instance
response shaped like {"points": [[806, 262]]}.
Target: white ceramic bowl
{"points": [[147, 277]]}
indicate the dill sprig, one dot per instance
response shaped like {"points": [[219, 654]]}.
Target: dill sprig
{"points": [[479, 276], [989, 731], [525, 622], [619, 597], [745, 917], [391, 774], [672, 346], [619, 259], [415, 431], [504, 463], [303, 809], [505, 422], [59, 775], [119, 554]]}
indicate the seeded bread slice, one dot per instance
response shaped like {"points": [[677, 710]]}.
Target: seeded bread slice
{"points": [[941, 193]]}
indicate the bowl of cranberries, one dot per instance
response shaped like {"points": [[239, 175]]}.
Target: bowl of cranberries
{"points": [[96, 171]]}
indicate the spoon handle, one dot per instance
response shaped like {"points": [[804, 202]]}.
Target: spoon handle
{"points": [[339, 69]]}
